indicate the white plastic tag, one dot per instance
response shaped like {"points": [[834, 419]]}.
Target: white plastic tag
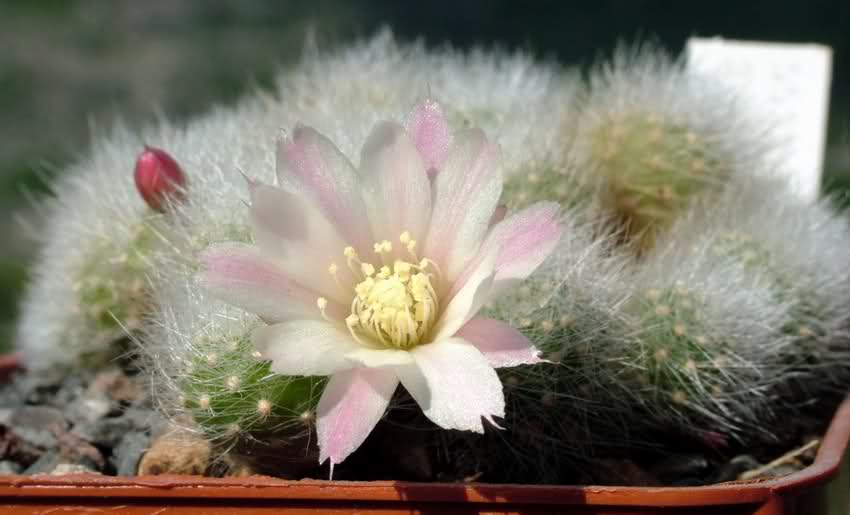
{"points": [[787, 84]]}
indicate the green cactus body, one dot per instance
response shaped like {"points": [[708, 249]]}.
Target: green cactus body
{"points": [[231, 392], [544, 181], [112, 287], [805, 321], [650, 168], [113, 295], [675, 361]]}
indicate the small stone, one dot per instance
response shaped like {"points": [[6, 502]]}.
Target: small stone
{"points": [[621, 472], [9, 468], [13, 448], [679, 467], [176, 453], [71, 389], [115, 385], [108, 432], [44, 465], [126, 456], [62, 469], [73, 449], [730, 470], [33, 425], [84, 410], [784, 469]]}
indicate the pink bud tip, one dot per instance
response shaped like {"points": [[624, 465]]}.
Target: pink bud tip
{"points": [[158, 176]]}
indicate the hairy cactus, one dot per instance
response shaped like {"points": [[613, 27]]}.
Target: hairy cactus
{"points": [[209, 379], [654, 136], [88, 290], [800, 249], [341, 94]]}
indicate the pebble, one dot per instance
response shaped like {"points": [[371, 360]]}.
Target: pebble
{"points": [[43, 465], [87, 410], [621, 472], [32, 424], [177, 453], [682, 467], [115, 385], [9, 467], [62, 469], [73, 449], [733, 468], [108, 432], [126, 456]]}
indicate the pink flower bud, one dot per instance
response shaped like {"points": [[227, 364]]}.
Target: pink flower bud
{"points": [[158, 176]]}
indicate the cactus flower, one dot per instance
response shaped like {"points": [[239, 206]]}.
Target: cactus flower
{"points": [[157, 176], [374, 276]]}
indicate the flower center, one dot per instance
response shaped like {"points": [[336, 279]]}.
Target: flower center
{"points": [[394, 306]]}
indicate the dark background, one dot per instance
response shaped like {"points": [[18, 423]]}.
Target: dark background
{"points": [[66, 66]]}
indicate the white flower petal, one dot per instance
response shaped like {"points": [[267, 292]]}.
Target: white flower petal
{"points": [[366, 357], [523, 241], [310, 165], [454, 385], [352, 403], [430, 132], [395, 184], [304, 347], [301, 239], [240, 275], [501, 344], [466, 193], [468, 300]]}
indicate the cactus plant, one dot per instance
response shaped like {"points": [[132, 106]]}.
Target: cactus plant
{"points": [[340, 94], [800, 248], [89, 289], [655, 136]]}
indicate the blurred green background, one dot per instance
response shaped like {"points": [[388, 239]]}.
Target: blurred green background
{"points": [[66, 66]]}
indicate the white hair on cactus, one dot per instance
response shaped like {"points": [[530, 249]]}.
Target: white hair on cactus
{"points": [[800, 248], [656, 135], [341, 93], [92, 218]]}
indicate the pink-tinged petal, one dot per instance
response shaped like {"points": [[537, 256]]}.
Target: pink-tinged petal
{"points": [[498, 215], [522, 242], [468, 300], [526, 239], [310, 165], [501, 344], [366, 357], [351, 405], [297, 235], [239, 275], [454, 385], [304, 347], [395, 185], [427, 128], [466, 192]]}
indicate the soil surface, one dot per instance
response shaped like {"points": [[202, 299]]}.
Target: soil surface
{"points": [[104, 423]]}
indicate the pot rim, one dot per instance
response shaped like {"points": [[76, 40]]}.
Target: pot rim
{"points": [[825, 466]]}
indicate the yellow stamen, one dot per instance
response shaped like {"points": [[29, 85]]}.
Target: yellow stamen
{"points": [[396, 307]]}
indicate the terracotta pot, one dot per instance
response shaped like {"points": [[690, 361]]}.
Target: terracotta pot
{"points": [[807, 492]]}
